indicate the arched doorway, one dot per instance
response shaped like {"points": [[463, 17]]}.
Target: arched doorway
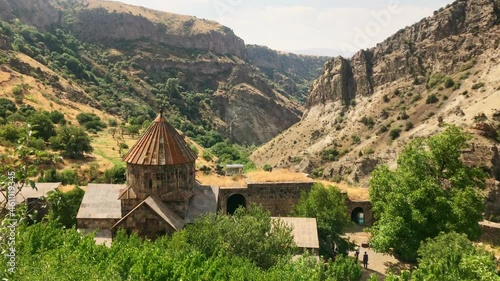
{"points": [[234, 202], [358, 216]]}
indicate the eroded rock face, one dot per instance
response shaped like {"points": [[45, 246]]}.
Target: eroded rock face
{"points": [[439, 43], [46, 14], [252, 112], [94, 25]]}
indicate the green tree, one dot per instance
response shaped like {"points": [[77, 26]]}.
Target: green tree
{"points": [[72, 141], [63, 207], [329, 208], [42, 124], [345, 268], [453, 257], [430, 191], [251, 234], [7, 107]]}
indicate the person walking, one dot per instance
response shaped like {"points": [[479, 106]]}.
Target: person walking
{"points": [[365, 260], [356, 253]]}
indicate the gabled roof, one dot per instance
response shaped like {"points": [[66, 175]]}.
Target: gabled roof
{"points": [[127, 193], [179, 195], [161, 144], [154, 202], [101, 202], [304, 231]]}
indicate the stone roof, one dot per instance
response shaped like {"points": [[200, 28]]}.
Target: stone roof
{"points": [[304, 231], [161, 144], [155, 203], [101, 202], [42, 189]]}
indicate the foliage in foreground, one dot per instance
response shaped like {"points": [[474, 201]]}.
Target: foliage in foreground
{"points": [[45, 251], [431, 191], [453, 257], [328, 206]]}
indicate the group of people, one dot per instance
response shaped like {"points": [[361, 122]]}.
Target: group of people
{"points": [[365, 257]]}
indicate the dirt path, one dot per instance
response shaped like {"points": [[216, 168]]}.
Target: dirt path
{"points": [[378, 263]]}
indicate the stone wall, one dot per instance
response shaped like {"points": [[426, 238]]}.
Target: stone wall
{"points": [[159, 180], [366, 206], [490, 233], [277, 198], [95, 223]]}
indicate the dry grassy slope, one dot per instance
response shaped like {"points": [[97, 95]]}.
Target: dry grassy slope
{"points": [[318, 129], [44, 97], [174, 22]]}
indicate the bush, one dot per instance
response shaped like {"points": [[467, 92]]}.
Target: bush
{"points": [[408, 126], [368, 121], [267, 168], [395, 133], [65, 177], [90, 121], [432, 99], [206, 155], [115, 175], [331, 154], [7, 107], [57, 117], [448, 82], [477, 86]]}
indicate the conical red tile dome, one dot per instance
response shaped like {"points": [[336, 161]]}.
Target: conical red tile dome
{"points": [[160, 145]]}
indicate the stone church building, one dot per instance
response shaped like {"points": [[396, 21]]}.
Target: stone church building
{"points": [[162, 195]]}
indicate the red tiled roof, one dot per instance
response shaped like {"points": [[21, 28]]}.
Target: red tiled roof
{"points": [[160, 145]]}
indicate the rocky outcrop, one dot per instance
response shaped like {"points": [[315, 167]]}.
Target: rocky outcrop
{"points": [[442, 43], [290, 72], [39, 13], [94, 25], [252, 112]]}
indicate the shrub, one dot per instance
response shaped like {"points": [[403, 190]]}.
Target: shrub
{"points": [[382, 130], [448, 82], [432, 99], [267, 168], [206, 155], [331, 154], [368, 121], [477, 86], [408, 126], [395, 133], [7, 107]]}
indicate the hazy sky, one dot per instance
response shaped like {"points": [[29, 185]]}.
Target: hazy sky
{"points": [[298, 24]]}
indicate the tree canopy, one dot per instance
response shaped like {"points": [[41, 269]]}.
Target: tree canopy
{"points": [[430, 191], [247, 246], [328, 206], [72, 141], [453, 257]]}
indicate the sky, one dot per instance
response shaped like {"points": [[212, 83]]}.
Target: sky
{"points": [[312, 26]]}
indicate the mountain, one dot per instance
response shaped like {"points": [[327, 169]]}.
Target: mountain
{"points": [[128, 61], [362, 110]]}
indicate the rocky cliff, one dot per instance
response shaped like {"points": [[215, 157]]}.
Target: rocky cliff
{"points": [[362, 110], [137, 50], [293, 73], [444, 42]]}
